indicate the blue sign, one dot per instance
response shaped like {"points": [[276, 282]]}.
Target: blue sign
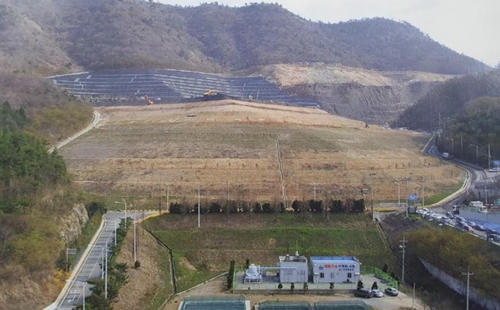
{"points": [[412, 197], [496, 163]]}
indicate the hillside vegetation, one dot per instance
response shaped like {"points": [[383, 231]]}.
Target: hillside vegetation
{"points": [[35, 188], [66, 35], [52, 113], [478, 124], [449, 99]]}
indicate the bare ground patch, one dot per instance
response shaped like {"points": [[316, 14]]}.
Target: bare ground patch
{"points": [[230, 149]]}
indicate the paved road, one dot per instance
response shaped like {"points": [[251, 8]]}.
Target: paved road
{"points": [[478, 178], [90, 268]]}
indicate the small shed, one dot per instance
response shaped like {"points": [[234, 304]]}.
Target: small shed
{"points": [[293, 269], [335, 269]]}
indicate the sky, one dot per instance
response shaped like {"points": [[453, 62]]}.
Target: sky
{"points": [[471, 27]]}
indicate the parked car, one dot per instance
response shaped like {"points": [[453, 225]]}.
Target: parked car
{"points": [[494, 169], [391, 291], [493, 238], [377, 293], [450, 215], [467, 227], [471, 224], [444, 219], [363, 292], [460, 219], [490, 231], [480, 227]]}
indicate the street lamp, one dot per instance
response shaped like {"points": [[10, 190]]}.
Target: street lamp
{"points": [[83, 290], [117, 202]]}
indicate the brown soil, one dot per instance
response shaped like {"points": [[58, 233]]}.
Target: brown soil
{"points": [[235, 148], [144, 281]]}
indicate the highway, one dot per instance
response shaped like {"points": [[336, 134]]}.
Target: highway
{"points": [[477, 178]]}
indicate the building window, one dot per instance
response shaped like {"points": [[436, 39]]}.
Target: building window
{"points": [[349, 275], [301, 272], [322, 275], [288, 272], [331, 275]]}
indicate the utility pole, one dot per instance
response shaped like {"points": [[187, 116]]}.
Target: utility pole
{"points": [[406, 196], [468, 274], [399, 194], [402, 246], [199, 212], [413, 301], [461, 146], [489, 157], [106, 272], [135, 241], [314, 191], [371, 202], [423, 192], [168, 206]]}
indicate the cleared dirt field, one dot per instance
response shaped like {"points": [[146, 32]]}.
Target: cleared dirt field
{"points": [[251, 152]]}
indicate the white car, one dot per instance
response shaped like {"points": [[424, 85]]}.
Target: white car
{"points": [[391, 291], [377, 293]]}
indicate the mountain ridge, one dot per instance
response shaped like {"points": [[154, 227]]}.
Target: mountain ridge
{"points": [[74, 35]]}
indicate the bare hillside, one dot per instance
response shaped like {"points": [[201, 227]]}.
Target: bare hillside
{"points": [[376, 97], [261, 152]]}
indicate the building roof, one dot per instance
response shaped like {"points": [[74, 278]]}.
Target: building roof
{"points": [[293, 258], [334, 258]]}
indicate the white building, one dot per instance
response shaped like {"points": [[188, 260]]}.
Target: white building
{"points": [[293, 269], [335, 269]]}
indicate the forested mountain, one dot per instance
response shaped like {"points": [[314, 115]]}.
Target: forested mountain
{"points": [[49, 36], [448, 99], [474, 133], [36, 193]]}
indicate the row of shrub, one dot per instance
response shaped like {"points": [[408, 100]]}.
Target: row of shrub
{"points": [[297, 206]]}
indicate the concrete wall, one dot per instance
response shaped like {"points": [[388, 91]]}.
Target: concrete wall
{"points": [[460, 287]]}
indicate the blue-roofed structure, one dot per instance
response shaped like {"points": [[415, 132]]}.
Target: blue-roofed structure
{"points": [[335, 269]]}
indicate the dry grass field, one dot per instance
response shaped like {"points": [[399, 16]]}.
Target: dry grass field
{"points": [[251, 152]]}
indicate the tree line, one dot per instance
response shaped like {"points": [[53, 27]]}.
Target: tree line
{"points": [[297, 206]]}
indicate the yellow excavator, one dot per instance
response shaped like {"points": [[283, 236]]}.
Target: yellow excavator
{"points": [[211, 92]]}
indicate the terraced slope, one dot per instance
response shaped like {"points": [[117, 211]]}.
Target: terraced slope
{"points": [[171, 86], [259, 152]]}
